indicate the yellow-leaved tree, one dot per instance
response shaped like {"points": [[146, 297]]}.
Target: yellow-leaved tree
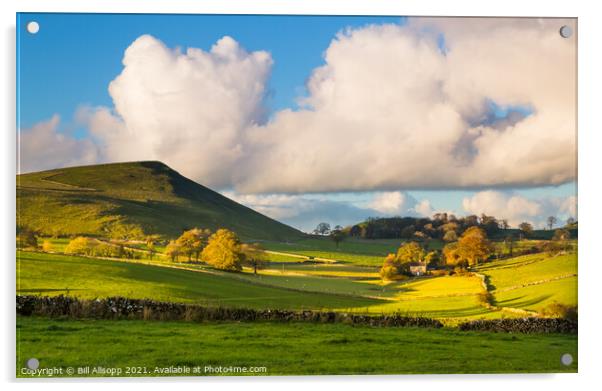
{"points": [[193, 241], [473, 246], [224, 251], [81, 246]]}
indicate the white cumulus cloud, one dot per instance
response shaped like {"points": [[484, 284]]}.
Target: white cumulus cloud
{"points": [[43, 146], [188, 109], [516, 208], [390, 109]]}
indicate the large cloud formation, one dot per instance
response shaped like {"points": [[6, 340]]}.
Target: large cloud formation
{"points": [[393, 107], [188, 109]]}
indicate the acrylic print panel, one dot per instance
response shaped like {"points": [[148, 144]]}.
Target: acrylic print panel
{"points": [[207, 195]]}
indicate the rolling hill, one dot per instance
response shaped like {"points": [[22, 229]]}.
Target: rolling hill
{"points": [[133, 199]]}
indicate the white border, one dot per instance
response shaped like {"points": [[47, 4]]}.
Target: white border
{"points": [[589, 181]]}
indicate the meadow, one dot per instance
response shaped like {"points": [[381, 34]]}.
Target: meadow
{"points": [[534, 281], [528, 282], [285, 348], [54, 274]]}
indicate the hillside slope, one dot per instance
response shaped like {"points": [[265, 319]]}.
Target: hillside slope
{"points": [[107, 199]]}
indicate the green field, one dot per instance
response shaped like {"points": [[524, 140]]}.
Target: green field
{"points": [[533, 282], [367, 252], [537, 297], [52, 274], [285, 348], [529, 282]]}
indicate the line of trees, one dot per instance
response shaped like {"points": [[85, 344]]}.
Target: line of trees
{"points": [[442, 226], [82, 245], [337, 234], [222, 250]]}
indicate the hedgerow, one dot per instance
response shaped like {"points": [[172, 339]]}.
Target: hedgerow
{"points": [[125, 308]]}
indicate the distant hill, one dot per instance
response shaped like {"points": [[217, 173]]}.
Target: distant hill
{"points": [[140, 197]]}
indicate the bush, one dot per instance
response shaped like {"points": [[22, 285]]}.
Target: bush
{"points": [[47, 246], [106, 250], [485, 298], [81, 246], [388, 272], [439, 272], [558, 310]]}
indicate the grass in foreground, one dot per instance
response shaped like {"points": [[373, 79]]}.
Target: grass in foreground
{"points": [[286, 348]]}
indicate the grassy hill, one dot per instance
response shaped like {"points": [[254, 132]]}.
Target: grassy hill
{"points": [[147, 197]]}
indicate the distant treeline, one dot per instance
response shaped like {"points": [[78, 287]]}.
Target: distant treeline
{"points": [[442, 223]]}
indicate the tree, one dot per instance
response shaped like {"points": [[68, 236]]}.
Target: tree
{"points": [[193, 241], [504, 224], [355, 231], [123, 231], [450, 236], [151, 249], [337, 235], [551, 221], [150, 245], [173, 250], [451, 226], [255, 256], [489, 224], [47, 246], [224, 251], [408, 253], [451, 255], [509, 243], [390, 268], [525, 229], [474, 246], [322, 229], [559, 242], [570, 221], [408, 232], [26, 238], [471, 220], [432, 258], [81, 246], [561, 235]]}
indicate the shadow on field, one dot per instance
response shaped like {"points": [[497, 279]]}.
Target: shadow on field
{"points": [[518, 302]]}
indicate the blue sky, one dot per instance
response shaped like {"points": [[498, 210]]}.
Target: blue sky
{"points": [[82, 53], [70, 62]]}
